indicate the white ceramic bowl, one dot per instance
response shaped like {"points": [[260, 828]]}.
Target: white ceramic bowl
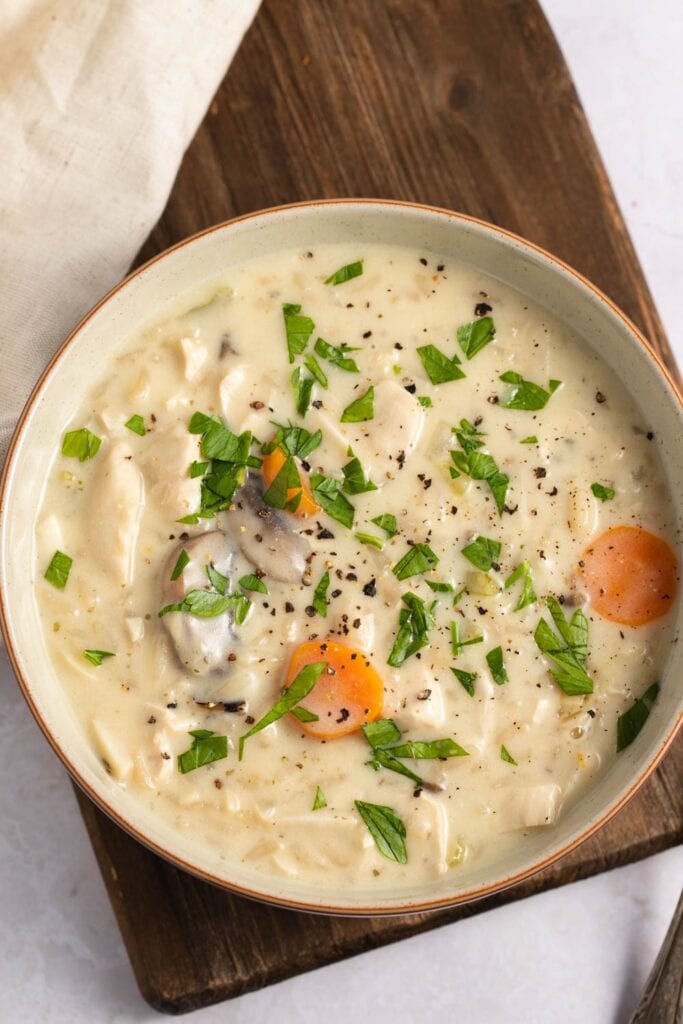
{"points": [[144, 296]]}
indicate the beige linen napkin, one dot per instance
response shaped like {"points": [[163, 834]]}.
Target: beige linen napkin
{"points": [[98, 102]]}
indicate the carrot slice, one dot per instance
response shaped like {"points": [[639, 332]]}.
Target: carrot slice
{"points": [[348, 694], [271, 466], [630, 574]]}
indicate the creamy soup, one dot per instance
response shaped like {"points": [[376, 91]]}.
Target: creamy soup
{"points": [[357, 567]]}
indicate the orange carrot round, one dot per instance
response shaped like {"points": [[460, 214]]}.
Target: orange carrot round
{"points": [[630, 574], [271, 466], [348, 694]]}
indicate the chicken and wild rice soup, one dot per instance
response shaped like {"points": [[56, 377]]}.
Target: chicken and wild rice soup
{"points": [[357, 567]]}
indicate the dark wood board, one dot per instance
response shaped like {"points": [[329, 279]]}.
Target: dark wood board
{"points": [[460, 104]]}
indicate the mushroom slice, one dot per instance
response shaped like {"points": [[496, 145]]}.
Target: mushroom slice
{"points": [[202, 645], [265, 537]]}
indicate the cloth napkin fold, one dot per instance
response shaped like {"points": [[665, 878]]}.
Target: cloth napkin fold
{"points": [[98, 102]]}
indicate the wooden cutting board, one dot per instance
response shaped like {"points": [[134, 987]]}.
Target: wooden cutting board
{"points": [[464, 105]]}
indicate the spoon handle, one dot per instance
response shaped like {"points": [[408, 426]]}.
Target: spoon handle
{"points": [[660, 1002]]}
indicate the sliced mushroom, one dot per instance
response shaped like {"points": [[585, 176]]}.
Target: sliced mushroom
{"points": [[265, 536], [202, 645]]}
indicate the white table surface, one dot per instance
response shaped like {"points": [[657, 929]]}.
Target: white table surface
{"points": [[578, 953]]}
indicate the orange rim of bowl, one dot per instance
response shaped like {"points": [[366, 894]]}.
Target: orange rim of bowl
{"points": [[412, 907]]}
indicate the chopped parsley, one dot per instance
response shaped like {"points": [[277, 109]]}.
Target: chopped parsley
{"points": [[228, 456], [466, 678], [217, 580], [57, 572], [602, 492], [505, 755], [293, 440], [197, 469], [417, 559], [304, 715], [494, 660], [438, 367], [314, 367], [457, 644], [298, 329], [97, 657], [475, 336], [569, 650], [483, 553], [531, 439], [302, 386], [328, 493], [205, 604], [478, 465], [137, 425], [81, 444], [386, 522], [429, 749], [319, 800], [337, 355], [632, 721], [370, 539], [387, 752], [286, 480], [355, 480], [300, 687], [252, 582], [183, 560], [524, 394], [527, 594], [346, 273], [439, 587], [414, 624], [320, 601], [386, 828], [361, 409], [206, 748], [425, 401]]}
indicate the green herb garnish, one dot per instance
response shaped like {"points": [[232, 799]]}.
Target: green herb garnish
{"points": [[203, 603], [386, 828], [386, 522], [228, 456], [466, 678], [414, 623], [438, 367], [505, 755], [298, 329], [217, 580], [337, 355], [345, 273], [381, 733], [494, 660], [197, 469], [457, 644], [97, 657], [417, 559], [439, 587], [632, 721], [531, 439], [525, 394], [304, 715], [81, 444], [293, 695], [296, 441], [57, 572], [183, 560], [429, 749], [478, 465], [355, 480], [320, 601], [602, 492], [319, 802], [206, 748], [286, 480], [253, 582], [328, 493], [370, 539], [314, 367], [569, 651], [302, 386], [361, 409], [483, 553], [425, 401], [137, 424], [527, 594], [475, 336]]}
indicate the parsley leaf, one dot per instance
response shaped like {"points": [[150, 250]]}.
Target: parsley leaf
{"points": [[293, 440], [361, 409], [345, 273], [531, 439], [386, 828], [632, 721], [302, 386], [466, 678], [228, 456], [355, 481], [252, 582], [505, 755], [602, 492], [304, 715], [440, 587], [81, 444], [386, 522], [525, 394], [478, 465], [429, 749], [494, 660], [314, 367], [137, 425], [337, 355], [183, 560], [569, 651], [298, 329], [57, 572], [197, 469], [381, 733], [370, 539], [457, 644], [97, 657], [327, 492], [483, 553], [475, 336], [203, 603], [218, 581], [200, 422], [287, 479], [417, 559], [300, 687], [206, 748], [425, 401], [527, 595], [414, 623], [320, 601], [438, 367], [319, 801]]}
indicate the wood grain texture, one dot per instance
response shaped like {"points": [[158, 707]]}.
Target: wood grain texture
{"points": [[463, 105]]}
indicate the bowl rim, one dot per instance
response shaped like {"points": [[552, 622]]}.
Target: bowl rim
{"points": [[284, 902]]}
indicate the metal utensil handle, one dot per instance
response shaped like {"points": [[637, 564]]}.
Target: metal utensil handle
{"points": [[661, 1002]]}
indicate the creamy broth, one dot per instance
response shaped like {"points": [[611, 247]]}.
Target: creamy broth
{"points": [[531, 748]]}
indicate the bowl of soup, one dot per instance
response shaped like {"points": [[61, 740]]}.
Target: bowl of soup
{"points": [[339, 557]]}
